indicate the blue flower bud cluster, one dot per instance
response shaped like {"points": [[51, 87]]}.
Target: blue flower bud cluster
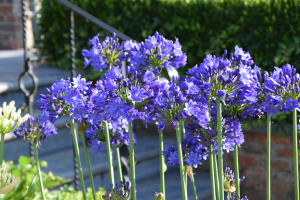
{"points": [[35, 130], [118, 192]]}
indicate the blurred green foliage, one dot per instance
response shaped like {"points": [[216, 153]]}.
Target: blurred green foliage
{"points": [[27, 170], [269, 30]]}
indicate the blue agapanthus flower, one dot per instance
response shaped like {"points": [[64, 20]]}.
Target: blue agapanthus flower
{"points": [[194, 153], [155, 53], [35, 130], [101, 56]]}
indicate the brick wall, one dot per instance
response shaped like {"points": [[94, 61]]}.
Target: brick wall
{"points": [[11, 25], [252, 161]]}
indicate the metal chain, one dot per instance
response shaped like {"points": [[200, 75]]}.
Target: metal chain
{"points": [[29, 95], [73, 74]]}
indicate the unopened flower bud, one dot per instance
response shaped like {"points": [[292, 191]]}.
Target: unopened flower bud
{"points": [[165, 167], [189, 171], [159, 196]]}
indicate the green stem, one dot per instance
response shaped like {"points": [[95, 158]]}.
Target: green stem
{"points": [[109, 154], [212, 176], [185, 170], [161, 164], [236, 172], [39, 170], [178, 136], [269, 157], [75, 141], [295, 145], [193, 185], [216, 175], [132, 163], [2, 148], [119, 164], [220, 156], [88, 165]]}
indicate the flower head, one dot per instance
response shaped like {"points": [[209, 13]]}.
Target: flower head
{"points": [[10, 120]]}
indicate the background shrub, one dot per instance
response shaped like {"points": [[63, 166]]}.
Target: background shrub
{"points": [[269, 30]]}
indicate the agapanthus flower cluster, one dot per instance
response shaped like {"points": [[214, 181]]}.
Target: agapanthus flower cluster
{"points": [[114, 100], [194, 153], [155, 53], [118, 192], [101, 56], [10, 120], [66, 97], [35, 130], [281, 90], [231, 132], [7, 180], [170, 106], [232, 80]]}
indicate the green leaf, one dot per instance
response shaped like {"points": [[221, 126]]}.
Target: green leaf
{"points": [[23, 160], [32, 191]]}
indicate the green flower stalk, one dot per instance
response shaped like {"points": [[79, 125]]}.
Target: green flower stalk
{"points": [[10, 120], [269, 157], [236, 170], [109, 154], [212, 176], [183, 187], [216, 175], [295, 146], [118, 157], [220, 156], [75, 141], [132, 162], [161, 163], [39, 169], [191, 175], [81, 130]]}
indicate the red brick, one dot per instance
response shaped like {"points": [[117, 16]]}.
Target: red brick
{"points": [[287, 153], [247, 161], [262, 138], [279, 140], [279, 189], [250, 136], [252, 173], [6, 9], [10, 18], [262, 187], [250, 184], [1, 18], [254, 148], [281, 165]]}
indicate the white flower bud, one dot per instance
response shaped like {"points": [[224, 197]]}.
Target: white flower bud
{"points": [[4, 177], [13, 177], [4, 106], [4, 167], [11, 105], [25, 118]]}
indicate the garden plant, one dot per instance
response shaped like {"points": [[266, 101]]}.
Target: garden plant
{"points": [[204, 107]]}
